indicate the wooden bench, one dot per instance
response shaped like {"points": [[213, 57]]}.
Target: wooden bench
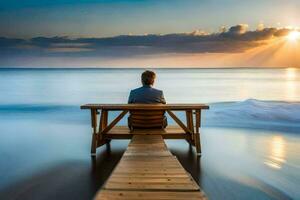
{"points": [[104, 132], [149, 171]]}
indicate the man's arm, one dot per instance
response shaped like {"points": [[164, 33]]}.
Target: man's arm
{"points": [[130, 99], [162, 98]]}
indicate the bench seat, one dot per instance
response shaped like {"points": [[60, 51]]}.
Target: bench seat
{"points": [[123, 132]]}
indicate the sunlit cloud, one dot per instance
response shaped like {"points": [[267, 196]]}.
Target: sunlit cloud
{"points": [[68, 49], [294, 35], [236, 46]]}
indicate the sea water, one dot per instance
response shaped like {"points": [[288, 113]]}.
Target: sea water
{"points": [[250, 136]]}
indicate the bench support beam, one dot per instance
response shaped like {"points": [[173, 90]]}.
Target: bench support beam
{"points": [[94, 134], [197, 134], [102, 135]]}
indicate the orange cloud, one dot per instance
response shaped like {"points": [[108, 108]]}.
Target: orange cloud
{"points": [[235, 47]]}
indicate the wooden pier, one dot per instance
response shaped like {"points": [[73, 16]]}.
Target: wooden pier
{"points": [[149, 171], [102, 134]]}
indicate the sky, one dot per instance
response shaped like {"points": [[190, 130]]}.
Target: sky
{"points": [[158, 33]]}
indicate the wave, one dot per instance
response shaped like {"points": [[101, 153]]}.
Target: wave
{"points": [[252, 113], [255, 113], [17, 108], [49, 113]]}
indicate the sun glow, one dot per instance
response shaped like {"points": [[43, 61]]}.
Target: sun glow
{"points": [[293, 35], [277, 155]]}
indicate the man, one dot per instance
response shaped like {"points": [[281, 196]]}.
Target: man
{"points": [[146, 93]]}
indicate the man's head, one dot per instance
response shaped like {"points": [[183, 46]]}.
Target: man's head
{"points": [[148, 78]]}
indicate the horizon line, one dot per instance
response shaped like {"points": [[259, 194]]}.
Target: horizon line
{"points": [[257, 67]]}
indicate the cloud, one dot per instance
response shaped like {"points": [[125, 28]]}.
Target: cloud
{"points": [[238, 29], [9, 42], [234, 40], [282, 32]]}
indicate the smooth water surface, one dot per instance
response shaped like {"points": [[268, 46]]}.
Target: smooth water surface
{"points": [[77, 86], [250, 138]]}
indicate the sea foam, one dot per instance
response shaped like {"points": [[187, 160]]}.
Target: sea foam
{"points": [[255, 113], [251, 113]]}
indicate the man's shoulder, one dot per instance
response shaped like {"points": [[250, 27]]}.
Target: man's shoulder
{"points": [[146, 89], [157, 90], [137, 89]]}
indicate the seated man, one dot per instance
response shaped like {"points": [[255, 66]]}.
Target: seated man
{"points": [[147, 94]]}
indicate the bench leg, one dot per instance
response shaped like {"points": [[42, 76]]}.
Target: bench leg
{"points": [[94, 144], [189, 141], [198, 144], [94, 134], [197, 134]]}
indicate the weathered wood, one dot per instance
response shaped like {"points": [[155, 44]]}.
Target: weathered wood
{"points": [[105, 116], [149, 113], [145, 118], [178, 121], [123, 132], [145, 106], [148, 170], [146, 195], [101, 143], [94, 144], [190, 125], [94, 134], [197, 134], [103, 120], [114, 122], [101, 125]]}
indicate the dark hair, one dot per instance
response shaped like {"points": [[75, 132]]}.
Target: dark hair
{"points": [[148, 77]]}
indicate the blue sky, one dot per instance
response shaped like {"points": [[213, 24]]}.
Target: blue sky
{"points": [[104, 18], [161, 33]]}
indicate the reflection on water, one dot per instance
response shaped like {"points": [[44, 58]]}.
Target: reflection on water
{"points": [[231, 166], [291, 89], [291, 83], [244, 163], [277, 152], [291, 73]]}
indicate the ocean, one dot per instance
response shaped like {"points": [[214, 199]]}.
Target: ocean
{"points": [[250, 136]]}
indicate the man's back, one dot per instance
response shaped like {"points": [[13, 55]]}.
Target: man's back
{"points": [[146, 94]]}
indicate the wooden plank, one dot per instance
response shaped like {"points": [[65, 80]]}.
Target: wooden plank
{"points": [[178, 121], [197, 134], [189, 122], [151, 186], [151, 175], [114, 122], [137, 153], [152, 145], [94, 134], [126, 130], [102, 125], [123, 132], [152, 195], [148, 170], [145, 106], [172, 180], [99, 136]]}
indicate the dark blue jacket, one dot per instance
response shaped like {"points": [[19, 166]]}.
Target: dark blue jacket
{"points": [[146, 94]]}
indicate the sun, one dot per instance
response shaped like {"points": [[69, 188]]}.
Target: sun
{"points": [[293, 35]]}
